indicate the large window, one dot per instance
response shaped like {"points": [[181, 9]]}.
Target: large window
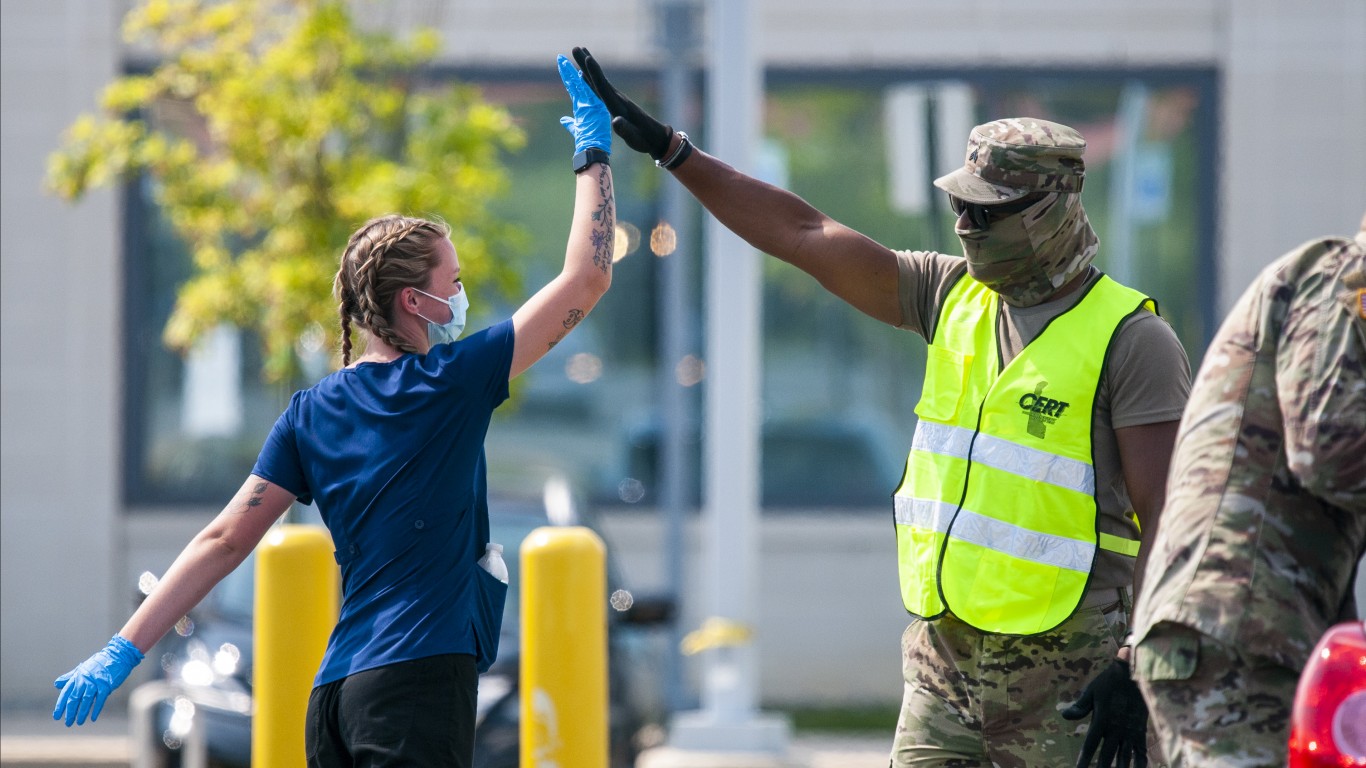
{"points": [[192, 425], [839, 389]]}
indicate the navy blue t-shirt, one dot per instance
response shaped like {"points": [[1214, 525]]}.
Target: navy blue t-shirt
{"points": [[393, 454]]}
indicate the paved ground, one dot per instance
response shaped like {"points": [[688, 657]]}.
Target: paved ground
{"points": [[33, 740]]}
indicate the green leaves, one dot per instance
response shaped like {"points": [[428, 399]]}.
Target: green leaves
{"points": [[274, 128]]}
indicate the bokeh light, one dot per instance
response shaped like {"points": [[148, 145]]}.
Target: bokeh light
{"points": [[181, 722], [630, 490], [312, 339], [226, 660], [583, 368], [622, 600], [690, 371], [197, 672], [627, 240], [663, 239], [147, 582], [184, 627]]}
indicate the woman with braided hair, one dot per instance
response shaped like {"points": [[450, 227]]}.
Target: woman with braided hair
{"points": [[391, 449]]}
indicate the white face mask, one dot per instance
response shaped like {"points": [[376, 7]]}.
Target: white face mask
{"points": [[445, 333]]}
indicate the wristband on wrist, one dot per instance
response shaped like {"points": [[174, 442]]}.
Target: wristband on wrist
{"points": [[679, 155], [589, 156]]}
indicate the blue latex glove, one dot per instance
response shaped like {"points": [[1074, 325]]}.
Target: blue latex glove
{"points": [[1119, 720], [634, 125], [84, 689], [591, 125]]}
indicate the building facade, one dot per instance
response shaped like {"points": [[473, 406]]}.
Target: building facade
{"points": [[1271, 159]]}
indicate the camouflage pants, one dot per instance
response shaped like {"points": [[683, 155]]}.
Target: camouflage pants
{"points": [[1211, 707], [974, 699]]}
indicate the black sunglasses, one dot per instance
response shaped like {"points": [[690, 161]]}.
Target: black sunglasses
{"points": [[980, 215]]}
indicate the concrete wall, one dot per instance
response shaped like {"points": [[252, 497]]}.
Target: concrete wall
{"points": [[1291, 167], [61, 538], [1293, 162], [1293, 77]]}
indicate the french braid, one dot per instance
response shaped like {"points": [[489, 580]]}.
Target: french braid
{"points": [[383, 257]]}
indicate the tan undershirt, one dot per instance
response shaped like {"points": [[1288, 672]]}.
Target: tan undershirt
{"points": [[1146, 380]]}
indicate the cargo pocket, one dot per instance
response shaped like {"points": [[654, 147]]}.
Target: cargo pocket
{"points": [[488, 619], [946, 376], [1169, 652]]}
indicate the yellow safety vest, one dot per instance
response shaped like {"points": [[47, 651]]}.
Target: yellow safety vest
{"points": [[996, 514]]}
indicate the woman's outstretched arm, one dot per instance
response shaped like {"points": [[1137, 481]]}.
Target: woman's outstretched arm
{"points": [[212, 554]]}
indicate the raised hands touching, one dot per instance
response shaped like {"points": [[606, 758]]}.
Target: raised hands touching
{"points": [[634, 125], [590, 123]]}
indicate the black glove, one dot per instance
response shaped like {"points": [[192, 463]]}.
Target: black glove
{"points": [[634, 125], [1119, 724]]}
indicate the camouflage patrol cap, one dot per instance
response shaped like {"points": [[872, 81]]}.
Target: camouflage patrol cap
{"points": [[1008, 159]]}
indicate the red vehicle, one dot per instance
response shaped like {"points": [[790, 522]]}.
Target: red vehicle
{"points": [[1328, 723]]}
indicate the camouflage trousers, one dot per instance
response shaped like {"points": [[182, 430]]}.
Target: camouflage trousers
{"points": [[974, 699], [1209, 706]]}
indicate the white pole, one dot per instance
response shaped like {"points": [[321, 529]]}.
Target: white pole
{"points": [[677, 24], [728, 721], [733, 298]]}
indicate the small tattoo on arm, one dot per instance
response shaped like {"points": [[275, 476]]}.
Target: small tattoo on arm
{"points": [[253, 498], [570, 320]]}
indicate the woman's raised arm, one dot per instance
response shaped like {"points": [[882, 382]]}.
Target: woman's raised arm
{"points": [[565, 301]]}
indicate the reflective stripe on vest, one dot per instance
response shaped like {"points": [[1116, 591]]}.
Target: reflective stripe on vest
{"points": [[996, 514]]}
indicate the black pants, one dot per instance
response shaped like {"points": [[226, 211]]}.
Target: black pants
{"points": [[414, 713]]}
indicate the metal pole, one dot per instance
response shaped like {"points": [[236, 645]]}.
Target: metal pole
{"points": [[677, 36], [936, 205], [142, 708], [728, 721], [731, 502], [1119, 245]]}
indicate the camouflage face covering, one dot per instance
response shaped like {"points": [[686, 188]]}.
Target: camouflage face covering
{"points": [[1028, 256]]}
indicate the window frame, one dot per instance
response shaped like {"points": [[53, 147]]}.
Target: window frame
{"points": [[137, 490]]}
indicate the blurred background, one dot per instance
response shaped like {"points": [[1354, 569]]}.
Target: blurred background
{"points": [[1221, 133]]}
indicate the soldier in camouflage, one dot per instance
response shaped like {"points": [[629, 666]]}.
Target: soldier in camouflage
{"points": [[974, 697], [1265, 518]]}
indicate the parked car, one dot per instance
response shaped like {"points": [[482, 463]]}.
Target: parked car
{"points": [[1328, 720], [207, 663], [813, 463]]}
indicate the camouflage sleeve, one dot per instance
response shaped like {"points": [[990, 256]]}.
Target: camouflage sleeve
{"points": [[923, 280], [1320, 364]]}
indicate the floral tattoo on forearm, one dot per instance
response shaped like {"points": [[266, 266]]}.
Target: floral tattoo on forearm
{"points": [[604, 231]]}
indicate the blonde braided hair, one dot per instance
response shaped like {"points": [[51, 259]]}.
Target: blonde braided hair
{"points": [[383, 257]]}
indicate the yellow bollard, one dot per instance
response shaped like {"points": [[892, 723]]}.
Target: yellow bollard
{"points": [[564, 649], [296, 607]]}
